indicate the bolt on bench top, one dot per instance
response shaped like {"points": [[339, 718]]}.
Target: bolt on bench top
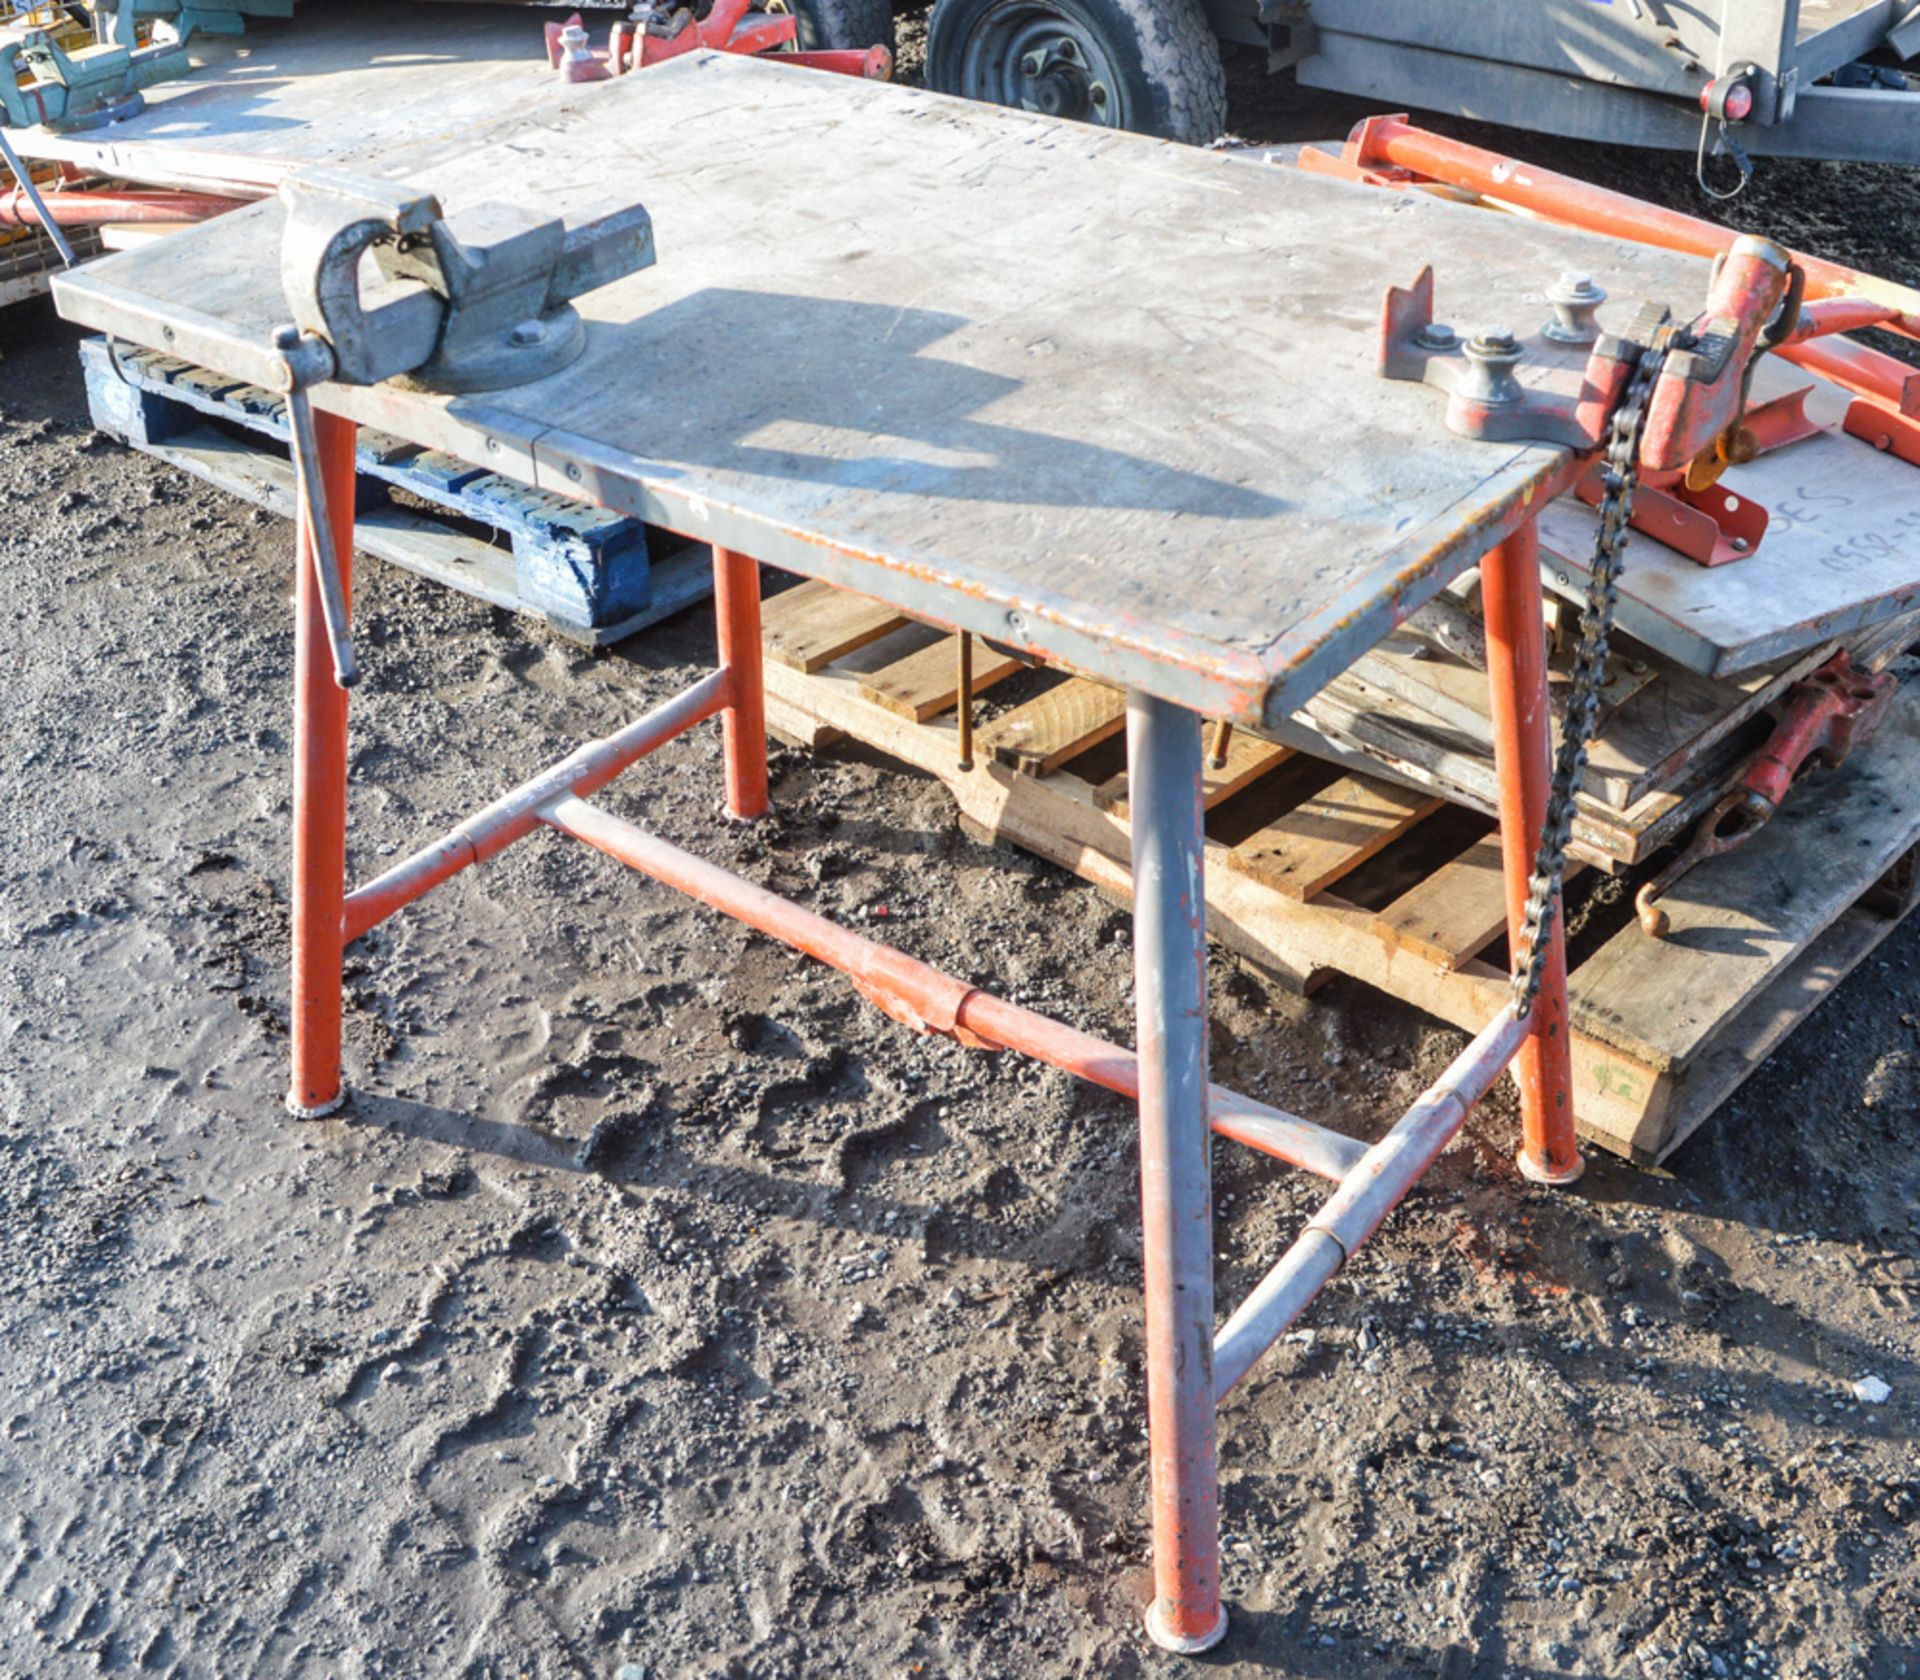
{"points": [[1100, 397]]}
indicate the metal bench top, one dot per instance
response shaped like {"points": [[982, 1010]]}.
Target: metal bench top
{"points": [[1103, 398]]}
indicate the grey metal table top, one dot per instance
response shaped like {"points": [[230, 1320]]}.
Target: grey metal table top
{"points": [[1107, 399]]}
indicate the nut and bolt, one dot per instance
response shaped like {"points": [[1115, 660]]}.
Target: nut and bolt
{"points": [[1436, 335], [1576, 304], [1492, 355]]}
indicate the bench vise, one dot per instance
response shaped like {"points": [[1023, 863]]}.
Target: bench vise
{"points": [[476, 301], [88, 87]]}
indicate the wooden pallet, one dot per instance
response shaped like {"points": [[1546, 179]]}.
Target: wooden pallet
{"points": [[1314, 868], [590, 575]]}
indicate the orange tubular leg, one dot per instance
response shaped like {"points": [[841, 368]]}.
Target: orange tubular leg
{"points": [[319, 797], [736, 610], [1517, 683]]}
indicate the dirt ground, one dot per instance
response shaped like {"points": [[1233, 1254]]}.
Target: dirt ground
{"points": [[659, 1309]]}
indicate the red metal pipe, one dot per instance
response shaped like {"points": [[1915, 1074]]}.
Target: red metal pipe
{"points": [[1393, 141], [1517, 691], [96, 209], [319, 794], [920, 996], [515, 814], [736, 612], [1870, 373], [1820, 317]]}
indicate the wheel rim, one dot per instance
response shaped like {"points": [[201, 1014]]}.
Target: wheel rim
{"points": [[1035, 57]]}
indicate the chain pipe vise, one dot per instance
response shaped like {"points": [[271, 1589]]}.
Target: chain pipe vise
{"points": [[1562, 384], [1657, 399]]}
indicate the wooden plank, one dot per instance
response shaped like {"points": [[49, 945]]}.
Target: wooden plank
{"points": [[1043, 733], [926, 683], [1646, 741], [1331, 834], [1350, 718], [1745, 1042], [1458, 910], [1738, 920], [1248, 759], [814, 624]]}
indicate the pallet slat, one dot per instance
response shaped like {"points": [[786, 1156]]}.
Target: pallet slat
{"points": [[1736, 924], [1041, 734], [811, 625], [1457, 911], [1248, 759], [927, 683], [1331, 834]]}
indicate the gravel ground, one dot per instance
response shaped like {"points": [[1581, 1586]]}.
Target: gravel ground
{"points": [[658, 1308]]}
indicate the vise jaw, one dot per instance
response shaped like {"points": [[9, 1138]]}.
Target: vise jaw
{"points": [[476, 301]]}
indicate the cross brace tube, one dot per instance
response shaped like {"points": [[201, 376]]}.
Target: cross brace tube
{"points": [[516, 814], [919, 995], [1366, 1196]]}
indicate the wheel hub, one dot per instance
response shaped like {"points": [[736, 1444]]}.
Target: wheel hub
{"points": [[1058, 82], [1042, 56]]}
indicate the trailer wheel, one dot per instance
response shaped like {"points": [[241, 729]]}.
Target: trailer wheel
{"points": [[839, 23], [1152, 66]]}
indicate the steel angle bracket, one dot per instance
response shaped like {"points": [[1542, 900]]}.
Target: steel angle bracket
{"points": [[1711, 527]]}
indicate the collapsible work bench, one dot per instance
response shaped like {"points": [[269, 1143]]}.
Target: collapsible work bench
{"points": [[1108, 401]]}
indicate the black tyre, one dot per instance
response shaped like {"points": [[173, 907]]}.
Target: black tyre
{"points": [[842, 23], [1152, 66]]}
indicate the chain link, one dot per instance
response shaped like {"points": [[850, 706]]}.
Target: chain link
{"points": [[1627, 422]]}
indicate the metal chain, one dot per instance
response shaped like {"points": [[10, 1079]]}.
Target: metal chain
{"points": [[1626, 424]]}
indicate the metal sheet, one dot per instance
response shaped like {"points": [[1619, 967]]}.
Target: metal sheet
{"points": [[1103, 398], [1842, 551]]}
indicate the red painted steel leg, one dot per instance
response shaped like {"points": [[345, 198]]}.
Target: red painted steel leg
{"points": [[1517, 681], [736, 609], [319, 798], [1176, 1196]]}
